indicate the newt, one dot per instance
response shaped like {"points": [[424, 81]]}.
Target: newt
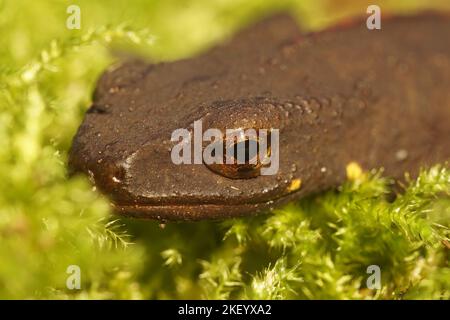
{"points": [[344, 95]]}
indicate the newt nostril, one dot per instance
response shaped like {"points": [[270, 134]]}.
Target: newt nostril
{"points": [[95, 108]]}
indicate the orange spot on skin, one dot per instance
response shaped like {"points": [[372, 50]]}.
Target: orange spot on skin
{"points": [[295, 185], [354, 171]]}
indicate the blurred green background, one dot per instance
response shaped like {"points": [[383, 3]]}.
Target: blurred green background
{"points": [[317, 248]]}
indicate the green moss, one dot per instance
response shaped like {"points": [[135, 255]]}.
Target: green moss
{"points": [[319, 247]]}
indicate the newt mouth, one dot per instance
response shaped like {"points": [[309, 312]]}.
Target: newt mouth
{"points": [[200, 211], [190, 212], [193, 209]]}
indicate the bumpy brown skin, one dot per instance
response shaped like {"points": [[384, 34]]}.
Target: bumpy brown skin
{"points": [[380, 98]]}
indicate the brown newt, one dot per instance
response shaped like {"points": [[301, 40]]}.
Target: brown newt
{"points": [[380, 98]]}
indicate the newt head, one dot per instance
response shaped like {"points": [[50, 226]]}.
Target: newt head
{"points": [[125, 142]]}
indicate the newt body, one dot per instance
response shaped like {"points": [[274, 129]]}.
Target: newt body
{"points": [[379, 98]]}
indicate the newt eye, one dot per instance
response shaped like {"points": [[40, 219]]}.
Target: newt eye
{"points": [[242, 155]]}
